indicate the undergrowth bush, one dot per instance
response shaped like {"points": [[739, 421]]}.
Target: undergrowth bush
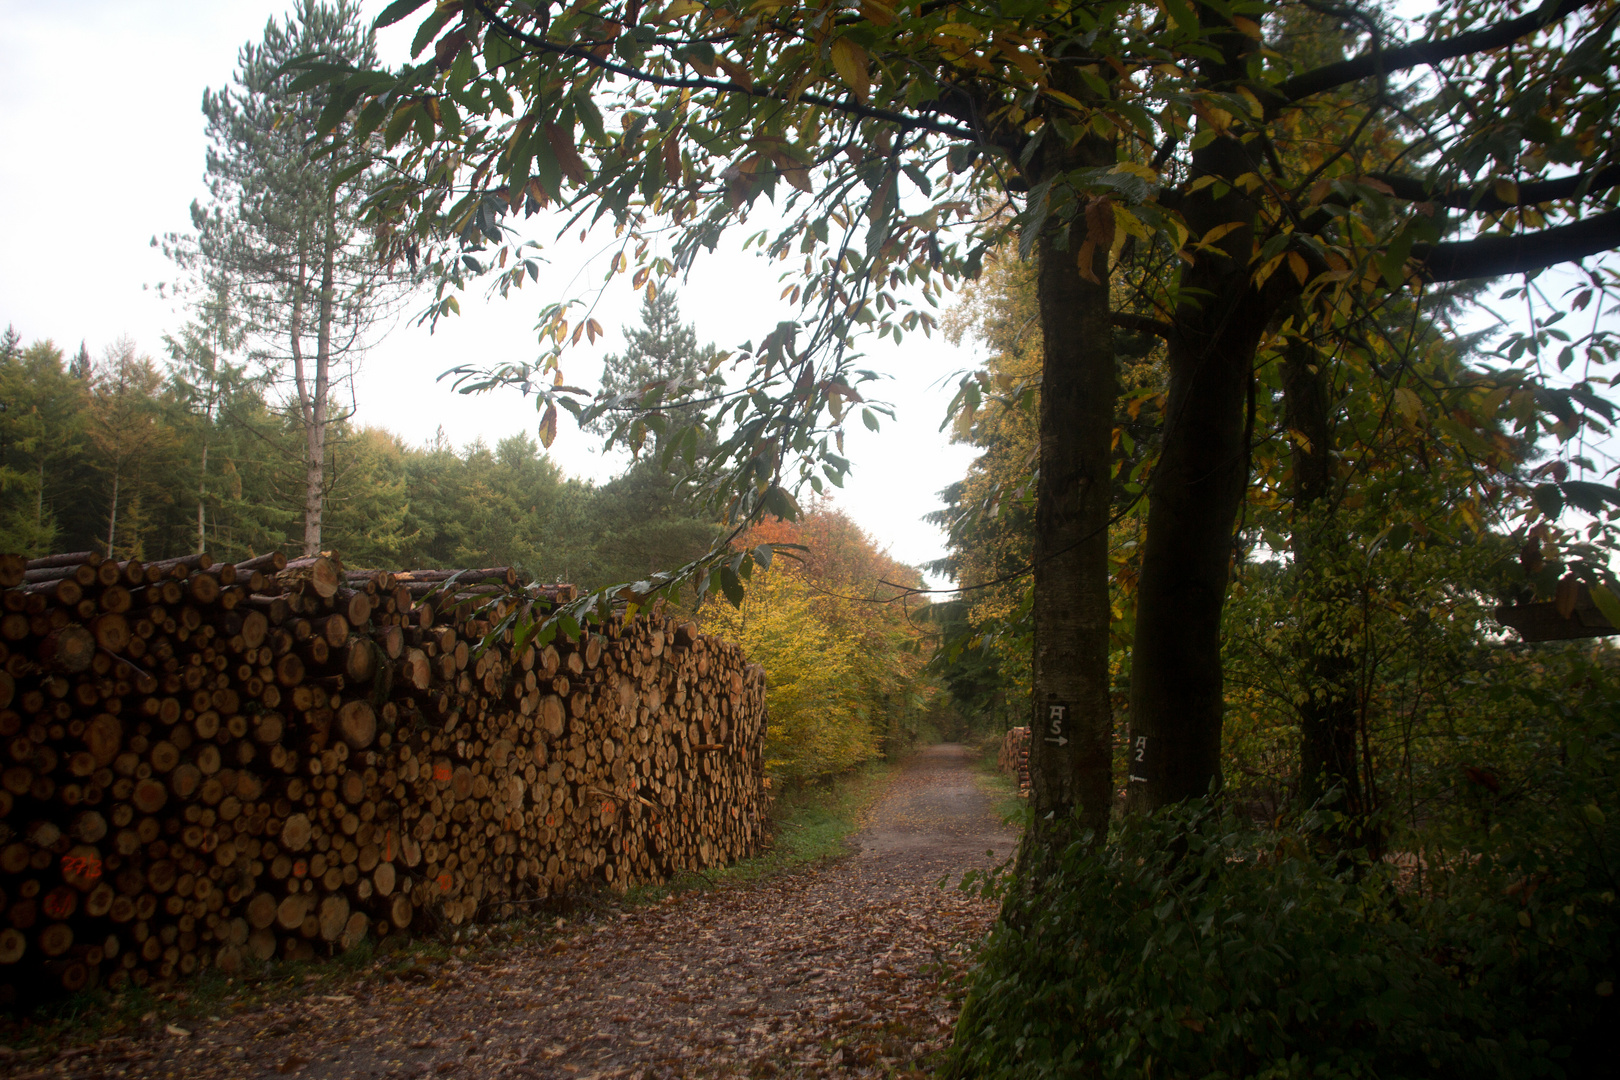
{"points": [[1193, 944]]}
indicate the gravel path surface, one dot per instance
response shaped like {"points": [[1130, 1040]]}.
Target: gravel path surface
{"points": [[844, 969]]}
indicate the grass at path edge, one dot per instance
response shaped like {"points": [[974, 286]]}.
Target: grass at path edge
{"points": [[809, 824]]}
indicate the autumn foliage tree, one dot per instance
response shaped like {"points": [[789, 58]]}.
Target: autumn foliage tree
{"points": [[828, 619]]}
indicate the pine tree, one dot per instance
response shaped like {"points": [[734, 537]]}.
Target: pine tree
{"points": [[280, 230], [131, 440], [43, 474], [662, 353]]}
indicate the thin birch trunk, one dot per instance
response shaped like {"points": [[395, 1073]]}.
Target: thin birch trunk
{"points": [[112, 518], [316, 432], [202, 484]]}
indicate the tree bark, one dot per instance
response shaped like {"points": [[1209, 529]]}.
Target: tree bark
{"points": [[112, 516], [1328, 718], [1072, 727], [1194, 495], [202, 490], [315, 491]]}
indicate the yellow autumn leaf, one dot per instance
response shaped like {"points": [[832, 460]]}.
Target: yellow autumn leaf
{"points": [[1136, 168], [1407, 404], [1058, 95], [850, 61], [876, 13], [1127, 222], [1507, 191], [1219, 232]]}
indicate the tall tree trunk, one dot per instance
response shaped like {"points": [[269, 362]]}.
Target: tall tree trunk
{"points": [[1198, 485], [315, 472], [1072, 727], [1194, 496], [202, 482], [39, 496], [112, 516], [1329, 717]]}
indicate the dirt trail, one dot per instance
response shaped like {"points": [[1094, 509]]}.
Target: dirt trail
{"points": [[829, 971]]}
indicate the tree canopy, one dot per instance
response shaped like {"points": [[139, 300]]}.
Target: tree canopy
{"points": [[1235, 179]]}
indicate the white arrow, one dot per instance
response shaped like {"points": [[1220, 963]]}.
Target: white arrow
{"points": [[1060, 740]]}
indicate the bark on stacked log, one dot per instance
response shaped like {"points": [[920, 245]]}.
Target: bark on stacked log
{"points": [[1013, 757], [213, 765]]}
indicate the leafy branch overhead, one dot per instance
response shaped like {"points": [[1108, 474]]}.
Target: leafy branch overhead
{"points": [[1226, 180], [900, 144]]}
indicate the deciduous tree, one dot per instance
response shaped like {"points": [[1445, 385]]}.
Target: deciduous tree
{"points": [[1174, 140]]}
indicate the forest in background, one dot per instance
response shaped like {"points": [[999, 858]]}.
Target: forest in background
{"points": [[112, 453]]}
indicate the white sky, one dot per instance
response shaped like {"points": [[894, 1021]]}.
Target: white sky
{"points": [[102, 131]]}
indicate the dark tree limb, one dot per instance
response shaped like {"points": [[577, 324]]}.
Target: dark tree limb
{"points": [[1531, 193], [1142, 324], [1521, 253], [1384, 62]]}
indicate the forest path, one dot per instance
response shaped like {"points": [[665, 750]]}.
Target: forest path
{"points": [[840, 969]]}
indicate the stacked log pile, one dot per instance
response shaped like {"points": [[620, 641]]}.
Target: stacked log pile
{"points": [[211, 765], [1013, 757]]}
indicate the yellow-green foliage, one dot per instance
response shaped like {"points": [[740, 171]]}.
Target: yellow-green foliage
{"points": [[820, 721]]}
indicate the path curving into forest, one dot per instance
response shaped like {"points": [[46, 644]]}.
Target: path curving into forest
{"points": [[842, 969]]}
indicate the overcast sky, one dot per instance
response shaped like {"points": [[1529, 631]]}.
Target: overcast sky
{"points": [[103, 149]]}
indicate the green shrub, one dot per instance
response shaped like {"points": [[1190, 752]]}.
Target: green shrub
{"points": [[1191, 944]]}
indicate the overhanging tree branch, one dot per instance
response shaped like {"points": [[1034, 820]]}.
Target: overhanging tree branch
{"points": [[673, 83], [1532, 193], [1523, 253], [1141, 324], [1383, 62]]}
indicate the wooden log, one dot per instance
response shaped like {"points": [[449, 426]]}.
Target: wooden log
{"points": [[502, 575], [236, 782], [84, 574], [72, 558], [69, 649], [181, 566], [272, 562], [322, 573]]}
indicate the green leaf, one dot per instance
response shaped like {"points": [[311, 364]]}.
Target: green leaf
{"points": [[869, 419], [1606, 603], [1548, 499], [429, 30], [396, 11], [1587, 496], [762, 555], [731, 585]]}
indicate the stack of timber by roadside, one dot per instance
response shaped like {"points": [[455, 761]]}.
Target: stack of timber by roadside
{"points": [[207, 765], [1013, 757]]}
